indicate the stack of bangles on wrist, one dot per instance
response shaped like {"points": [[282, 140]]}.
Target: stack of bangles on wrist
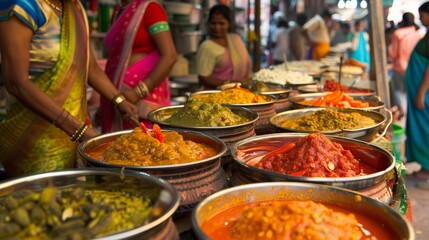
{"points": [[141, 90], [61, 119], [118, 99], [79, 132]]}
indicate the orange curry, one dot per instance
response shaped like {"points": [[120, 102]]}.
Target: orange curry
{"points": [[141, 149], [289, 219]]}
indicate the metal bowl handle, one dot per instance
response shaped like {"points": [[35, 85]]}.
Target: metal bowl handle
{"points": [[386, 125]]}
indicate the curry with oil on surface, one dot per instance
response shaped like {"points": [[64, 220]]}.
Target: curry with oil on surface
{"points": [[199, 113], [329, 120], [141, 149], [292, 219]]}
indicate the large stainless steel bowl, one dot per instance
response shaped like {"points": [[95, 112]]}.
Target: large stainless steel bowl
{"points": [[385, 216], [265, 110], [315, 89], [248, 152], [194, 180], [160, 227], [374, 102], [228, 134], [365, 134]]}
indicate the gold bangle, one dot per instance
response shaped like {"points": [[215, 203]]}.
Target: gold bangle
{"points": [[138, 91], [79, 131], [118, 99], [144, 89]]}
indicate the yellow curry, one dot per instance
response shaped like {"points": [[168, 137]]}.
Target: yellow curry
{"points": [[234, 95], [141, 149]]}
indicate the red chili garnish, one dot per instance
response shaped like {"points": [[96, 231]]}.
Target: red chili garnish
{"points": [[158, 133], [287, 147], [144, 128], [256, 98], [298, 173]]}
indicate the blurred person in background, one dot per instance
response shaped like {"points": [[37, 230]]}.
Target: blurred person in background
{"points": [[297, 39], [47, 63], [317, 34], [141, 53], [342, 35], [403, 41], [360, 45], [281, 45], [417, 86], [222, 58]]}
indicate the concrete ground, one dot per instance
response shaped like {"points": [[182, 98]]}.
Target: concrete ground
{"points": [[419, 205]]}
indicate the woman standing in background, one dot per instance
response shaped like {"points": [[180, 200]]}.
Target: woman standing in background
{"points": [[417, 86], [141, 54], [223, 57], [360, 45], [46, 65]]}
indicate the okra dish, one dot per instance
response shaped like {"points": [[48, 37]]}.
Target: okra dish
{"points": [[140, 148], [72, 212]]}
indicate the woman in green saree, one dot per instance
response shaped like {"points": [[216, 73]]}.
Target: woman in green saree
{"points": [[46, 65]]}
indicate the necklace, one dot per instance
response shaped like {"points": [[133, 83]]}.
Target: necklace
{"points": [[54, 6]]}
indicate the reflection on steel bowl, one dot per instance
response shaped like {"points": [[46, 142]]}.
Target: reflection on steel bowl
{"points": [[265, 109], [84, 203], [249, 152], [196, 180], [366, 133], [228, 134], [374, 102], [226, 207]]}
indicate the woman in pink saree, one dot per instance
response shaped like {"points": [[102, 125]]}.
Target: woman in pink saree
{"points": [[141, 54], [223, 57]]}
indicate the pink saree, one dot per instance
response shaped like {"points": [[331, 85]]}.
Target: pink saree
{"points": [[119, 41]]}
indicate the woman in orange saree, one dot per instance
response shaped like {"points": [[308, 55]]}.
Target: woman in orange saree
{"points": [[45, 71], [141, 54]]}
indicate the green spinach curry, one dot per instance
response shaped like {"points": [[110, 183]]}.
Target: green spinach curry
{"points": [[199, 113]]}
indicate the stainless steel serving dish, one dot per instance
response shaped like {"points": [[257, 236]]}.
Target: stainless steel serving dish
{"points": [[161, 227], [265, 110], [374, 102], [246, 157], [387, 217], [228, 134], [365, 134], [194, 180]]}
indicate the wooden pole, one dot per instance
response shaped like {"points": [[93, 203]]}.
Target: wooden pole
{"points": [[257, 43], [378, 51]]}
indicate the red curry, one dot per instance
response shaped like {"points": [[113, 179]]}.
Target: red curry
{"points": [[314, 156]]}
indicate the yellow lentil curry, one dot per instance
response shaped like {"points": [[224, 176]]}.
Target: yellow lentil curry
{"points": [[140, 149], [234, 95], [329, 120], [198, 113]]}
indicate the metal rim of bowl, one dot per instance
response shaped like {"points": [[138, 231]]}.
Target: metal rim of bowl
{"points": [[309, 89], [206, 92], [82, 172], [152, 117], [308, 187], [295, 100], [342, 180], [337, 131], [81, 151]]}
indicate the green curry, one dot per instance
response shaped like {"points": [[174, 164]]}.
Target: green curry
{"points": [[199, 113], [329, 120]]}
